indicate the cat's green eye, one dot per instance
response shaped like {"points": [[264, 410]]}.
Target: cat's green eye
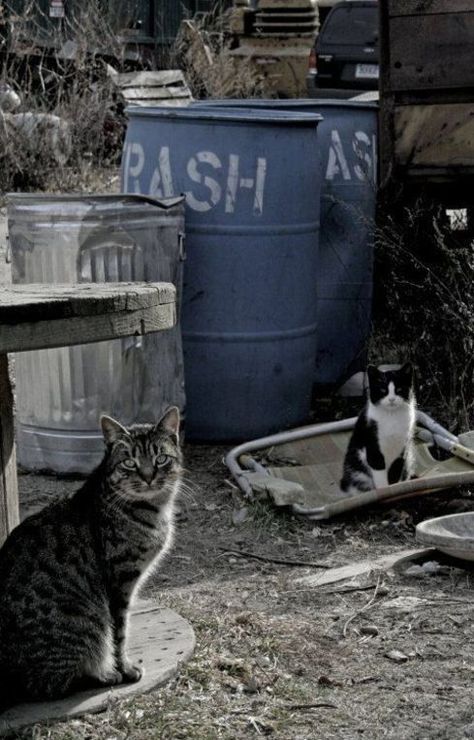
{"points": [[130, 464], [161, 460]]}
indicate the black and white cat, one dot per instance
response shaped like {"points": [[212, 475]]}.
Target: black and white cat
{"points": [[380, 451]]}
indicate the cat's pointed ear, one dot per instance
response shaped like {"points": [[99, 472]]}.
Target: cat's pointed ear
{"points": [[372, 372], [111, 429], [407, 370], [169, 422]]}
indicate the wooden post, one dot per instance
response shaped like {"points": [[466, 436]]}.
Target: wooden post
{"points": [[9, 508]]}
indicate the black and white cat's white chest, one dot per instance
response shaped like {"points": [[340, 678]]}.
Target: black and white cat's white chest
{"points": [[392, 429], [380, 451]]}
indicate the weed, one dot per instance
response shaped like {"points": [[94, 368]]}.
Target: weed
{"points": [[424, 298], [201, 51], [69, 117]]}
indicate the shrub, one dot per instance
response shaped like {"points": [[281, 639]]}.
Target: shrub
{"points": [[201, 51], [70, 116], [424, 306]]}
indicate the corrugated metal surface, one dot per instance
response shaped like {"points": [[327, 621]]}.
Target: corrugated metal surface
{"points": [[61, 392]]}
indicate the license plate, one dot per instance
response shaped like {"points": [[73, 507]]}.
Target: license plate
{"points": [[367, 71]]}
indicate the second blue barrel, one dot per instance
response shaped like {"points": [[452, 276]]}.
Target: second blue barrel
{"points": [[249, 313], [348, 146]]}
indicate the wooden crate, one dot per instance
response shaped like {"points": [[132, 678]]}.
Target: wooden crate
{"points": [[427, 90]]}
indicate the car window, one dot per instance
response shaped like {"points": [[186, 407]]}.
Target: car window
{"points": [[348, 25]]}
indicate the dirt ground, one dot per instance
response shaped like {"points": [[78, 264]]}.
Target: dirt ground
{"points": [[276, 658]]}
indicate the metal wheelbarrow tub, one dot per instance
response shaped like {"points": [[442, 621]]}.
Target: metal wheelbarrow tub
{"points": [[302, 468], [452, 534]]}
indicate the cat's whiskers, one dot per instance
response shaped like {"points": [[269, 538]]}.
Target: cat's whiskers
{"points": [[188, 490]]}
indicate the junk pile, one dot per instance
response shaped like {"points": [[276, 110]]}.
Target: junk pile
{"points": [[32, 133], [151, 88]]}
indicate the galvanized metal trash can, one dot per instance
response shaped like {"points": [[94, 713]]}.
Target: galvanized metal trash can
{"points": [[249, 320], [348, 146], [62, 392]]}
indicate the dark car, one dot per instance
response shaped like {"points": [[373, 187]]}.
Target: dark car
{"points": [[346, 52]]}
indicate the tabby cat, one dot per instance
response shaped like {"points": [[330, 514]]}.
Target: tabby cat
{"points": [[68, 573], [380, 450]]}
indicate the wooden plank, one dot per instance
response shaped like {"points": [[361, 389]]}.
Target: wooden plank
{"points": [[168, 102], [155, 93], [69, 331], [161, 79], [276, 4], [17, 302], [9, 508], [427, 7], [385, 129], [431, 51], [41, 316], [434, 135], [385, 562]]}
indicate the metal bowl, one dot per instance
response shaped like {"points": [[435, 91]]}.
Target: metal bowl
{"points": [[452, 534]]}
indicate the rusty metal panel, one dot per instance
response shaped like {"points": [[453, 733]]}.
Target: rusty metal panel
{"points": [[431, 51], [434, 136]]}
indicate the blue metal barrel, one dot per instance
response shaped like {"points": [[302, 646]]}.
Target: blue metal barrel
{"points": [[249, 312], [348, 144]]}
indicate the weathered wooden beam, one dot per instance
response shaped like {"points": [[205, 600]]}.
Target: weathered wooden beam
{"points": [[428, 7], [435, 135], [431, 51], [9, 509], [42, 316], [386, 128]]}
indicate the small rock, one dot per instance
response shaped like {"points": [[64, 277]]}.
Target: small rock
{"points": [[239, 516], [369, 629], [431, 567], [252, 686], [396, 656], [243, 618], [328, 681], [405, 604]]}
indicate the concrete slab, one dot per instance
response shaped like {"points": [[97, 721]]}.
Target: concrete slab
{"points": [[160, 640]]}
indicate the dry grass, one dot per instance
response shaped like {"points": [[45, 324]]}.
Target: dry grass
{"points": [[72, 120], [201, 51], [271, 657]]}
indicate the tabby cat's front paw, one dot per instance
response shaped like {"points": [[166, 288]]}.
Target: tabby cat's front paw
{"points": [[131, 673], [111, 678]]}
